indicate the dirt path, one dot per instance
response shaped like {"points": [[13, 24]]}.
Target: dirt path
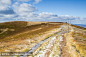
{"points": [[64, 49], [46, 50]]}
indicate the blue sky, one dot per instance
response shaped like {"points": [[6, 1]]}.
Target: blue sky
{"points": [[64, 7], [43, 10]]}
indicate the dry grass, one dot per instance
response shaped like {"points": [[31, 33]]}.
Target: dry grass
{"points": [[76, 42], [80, 43], [28, 36], [34, 23]]}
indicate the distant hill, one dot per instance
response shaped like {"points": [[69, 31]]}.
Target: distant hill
{"points": [[82, 25]]}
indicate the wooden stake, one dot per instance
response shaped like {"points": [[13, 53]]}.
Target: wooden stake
{"points": [[68, 24]]}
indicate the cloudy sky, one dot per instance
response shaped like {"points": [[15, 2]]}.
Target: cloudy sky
{"points": [[43, 10]]}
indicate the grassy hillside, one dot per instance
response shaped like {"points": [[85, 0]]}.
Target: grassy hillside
{"points": [[76, 41], [11, 28], [19, 34]]}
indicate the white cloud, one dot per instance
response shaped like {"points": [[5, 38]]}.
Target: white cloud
{"points": [[5, 7], [24, 8], [46, 15], [16, 3], [25, 11], [8, 2], [84, 18], [8, 17], [69, 17], [27, 8], [4, 4], [37, 1]]}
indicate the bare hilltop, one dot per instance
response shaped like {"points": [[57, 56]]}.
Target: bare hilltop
{"points": [[42, 39]]}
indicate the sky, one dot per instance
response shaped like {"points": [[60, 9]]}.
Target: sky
{"points": [[43, 10]]}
